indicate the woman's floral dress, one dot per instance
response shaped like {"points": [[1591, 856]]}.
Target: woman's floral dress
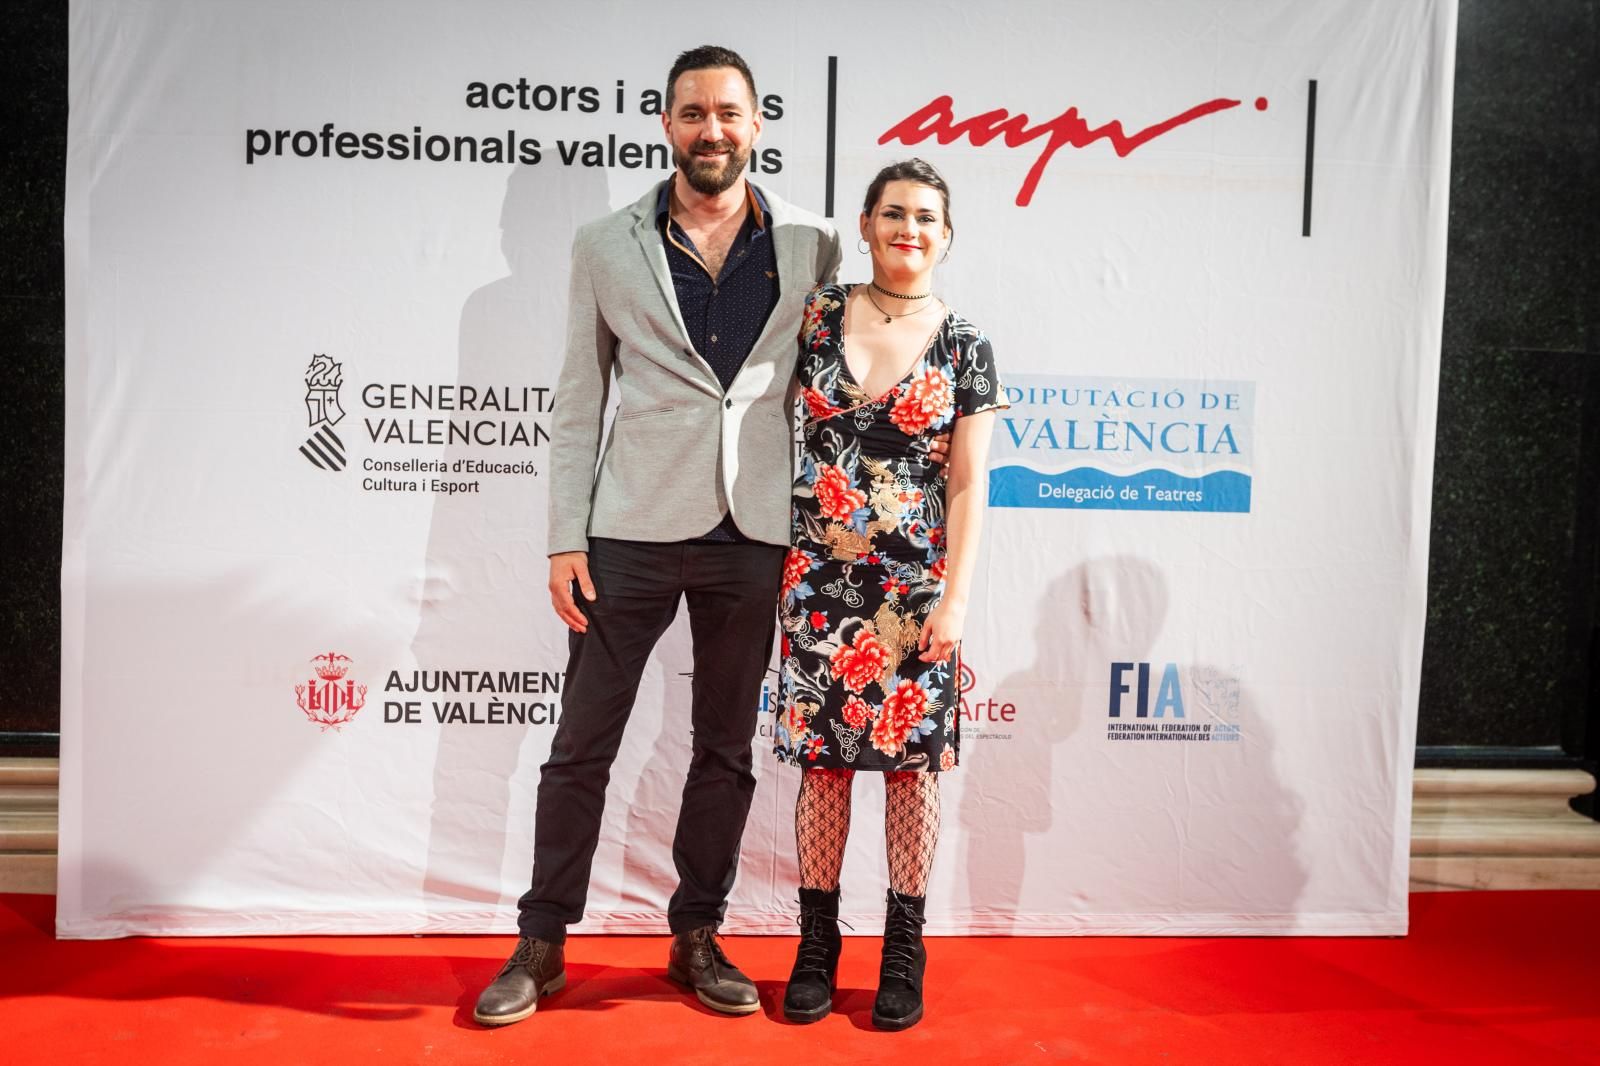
{"points": [[868, 556]]}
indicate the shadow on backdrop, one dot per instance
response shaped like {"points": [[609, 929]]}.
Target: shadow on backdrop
{"points": [[483, 592], [1218, 824]]}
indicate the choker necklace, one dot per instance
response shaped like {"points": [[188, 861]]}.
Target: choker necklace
{"points": [[887, 317], [899, 295]]}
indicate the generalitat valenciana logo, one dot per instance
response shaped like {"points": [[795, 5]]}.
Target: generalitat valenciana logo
{"points": [[323, 449]]}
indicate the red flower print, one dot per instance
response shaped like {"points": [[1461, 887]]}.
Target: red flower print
{"points": [[813, 313], [836, 497], [819, 336], [909, 701], [793, 721], [813, 318], [947, 759], [927, 401], [817, 404], [936, 571], [819, 620], [812, 747], [785, 645], [860, 662], [857, 712], [795, 567], [905, 708], [889, 734]]}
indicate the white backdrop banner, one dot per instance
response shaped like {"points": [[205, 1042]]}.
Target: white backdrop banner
{"points": [[316, 268]]}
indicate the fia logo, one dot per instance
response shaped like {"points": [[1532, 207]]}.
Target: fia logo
{"points": [[1215, 691], [1169, 694], [323, 449]]}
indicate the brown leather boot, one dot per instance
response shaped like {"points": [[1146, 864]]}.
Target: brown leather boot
{"points": [[537, 968], [697, 960]]}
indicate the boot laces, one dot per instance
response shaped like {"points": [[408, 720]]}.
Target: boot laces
{"points": [[530, 954], [812, 958], [707, 949], [900, 938]]}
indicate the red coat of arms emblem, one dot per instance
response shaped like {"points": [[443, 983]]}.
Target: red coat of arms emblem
{"points": [[330, 699]]}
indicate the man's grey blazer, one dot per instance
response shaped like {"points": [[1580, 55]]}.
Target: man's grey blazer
{"points": [[681, 452]]}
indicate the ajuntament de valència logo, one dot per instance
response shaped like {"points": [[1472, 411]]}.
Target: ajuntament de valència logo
{"points": [[331, 698], [1130, 444], [323, 449]]}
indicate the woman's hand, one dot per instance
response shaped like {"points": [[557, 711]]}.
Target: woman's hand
{"points": [[942, 631]]}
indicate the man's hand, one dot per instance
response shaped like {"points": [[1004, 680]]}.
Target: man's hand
{"points": [[939, 449], [565, 568]]}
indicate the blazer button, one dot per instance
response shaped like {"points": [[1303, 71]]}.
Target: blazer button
{"points": [[728, 404]]}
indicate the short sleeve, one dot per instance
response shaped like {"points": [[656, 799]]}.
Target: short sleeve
{"points": [[977, 380]]}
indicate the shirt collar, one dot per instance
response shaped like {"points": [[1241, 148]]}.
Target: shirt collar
{"points": [[757, 203]]}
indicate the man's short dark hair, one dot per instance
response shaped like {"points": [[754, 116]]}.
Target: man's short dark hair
{"points": [[704, 58]]}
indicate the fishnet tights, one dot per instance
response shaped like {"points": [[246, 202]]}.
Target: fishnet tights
{"points": [[821, 826], [911, 827]]}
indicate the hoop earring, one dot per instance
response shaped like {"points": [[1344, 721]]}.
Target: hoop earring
{"points": [[863, 247], [949, 246]]}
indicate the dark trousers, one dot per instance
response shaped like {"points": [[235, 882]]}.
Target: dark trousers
{"points": [[732, 592]]}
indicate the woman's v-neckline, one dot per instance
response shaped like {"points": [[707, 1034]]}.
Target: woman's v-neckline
{"points": [[844, 358]]}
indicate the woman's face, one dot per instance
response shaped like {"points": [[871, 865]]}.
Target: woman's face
{"points": [[906, 230]]}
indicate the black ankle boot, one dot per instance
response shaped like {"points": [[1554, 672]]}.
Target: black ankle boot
{"points": [[899, 1001], [809, 996]]}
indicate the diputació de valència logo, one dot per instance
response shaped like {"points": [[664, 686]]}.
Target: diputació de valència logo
{"points": [[1129, 444]]}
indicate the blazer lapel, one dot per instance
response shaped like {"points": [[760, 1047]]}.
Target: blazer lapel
{"points": [[655, 254], [783, 253]]}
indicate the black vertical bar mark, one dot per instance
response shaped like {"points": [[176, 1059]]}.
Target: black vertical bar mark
{"points": [[1311, 141], [833, 101]]}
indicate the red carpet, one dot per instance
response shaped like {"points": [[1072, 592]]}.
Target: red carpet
{"points": [[1485, 977]]}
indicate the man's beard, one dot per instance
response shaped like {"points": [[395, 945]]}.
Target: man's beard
{"points": [[703, 174]]}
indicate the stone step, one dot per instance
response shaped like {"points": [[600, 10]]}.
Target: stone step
{"points": [[27, 831], [1470, 829], [27, 771]]}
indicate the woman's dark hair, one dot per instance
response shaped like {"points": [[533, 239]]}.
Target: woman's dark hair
{"points": [[707, 57], [917, 170]]}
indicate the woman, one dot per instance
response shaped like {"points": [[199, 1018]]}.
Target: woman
{"points": [[875, 586]]}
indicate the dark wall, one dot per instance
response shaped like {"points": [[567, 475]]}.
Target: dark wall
{"points": [[33, 153], [1512, 585]]}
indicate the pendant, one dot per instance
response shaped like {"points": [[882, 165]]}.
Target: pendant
{"points": [[887, 319]]}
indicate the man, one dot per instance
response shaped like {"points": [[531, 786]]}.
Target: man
{"points": [[690, 300]]}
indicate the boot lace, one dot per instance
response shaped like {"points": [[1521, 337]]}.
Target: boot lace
{"points": [[900, 938], [529, 954], [812, 958], [707, 949]]}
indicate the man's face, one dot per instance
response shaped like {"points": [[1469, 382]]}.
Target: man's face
{"points": [[712, 127]]}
